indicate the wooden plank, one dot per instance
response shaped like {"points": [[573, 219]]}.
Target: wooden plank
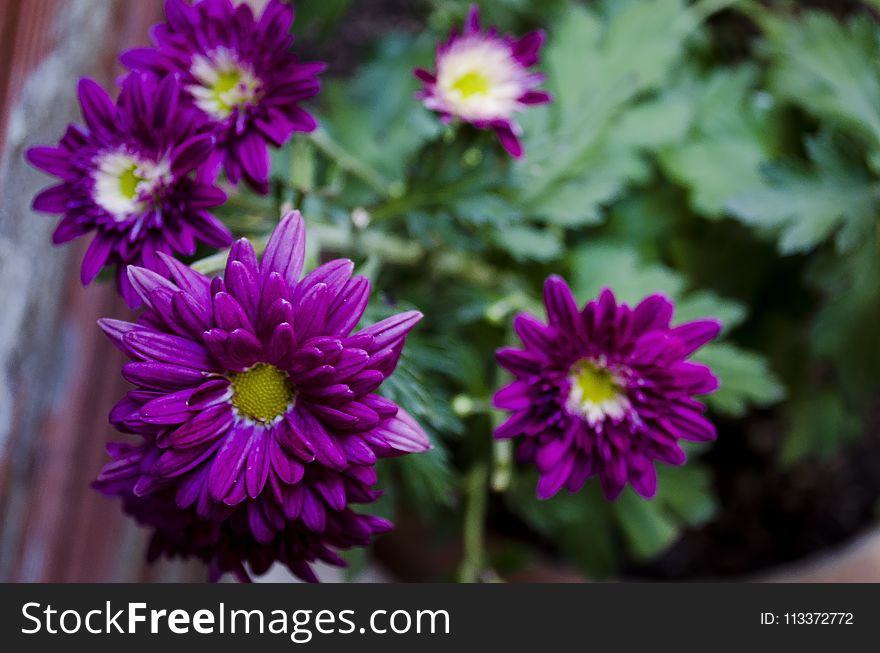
{"points": [[53, 526]]}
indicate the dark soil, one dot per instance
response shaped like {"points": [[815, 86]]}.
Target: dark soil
{"points": [[771, 516]]}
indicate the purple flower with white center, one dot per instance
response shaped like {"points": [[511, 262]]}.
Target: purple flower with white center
{"points": [[239, 72], [257, 407], [605, 391], [134, 177], [484, 78]]}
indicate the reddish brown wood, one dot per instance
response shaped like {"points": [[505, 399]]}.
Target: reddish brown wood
{"points": [[66, 531], [25, 37]]}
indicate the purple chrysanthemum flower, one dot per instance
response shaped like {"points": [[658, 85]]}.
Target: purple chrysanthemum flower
{"points": [[256, 407], [239, 72], [604, 391], [483, 78], [129, 177]]}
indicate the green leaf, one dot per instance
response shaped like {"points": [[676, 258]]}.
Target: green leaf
{"points": [[427, 480], [486, 209], [525, 243], [655, 122], [647, 528], [585, 147], [588, 528], [703, 303], [829, 68], [687, 492], [820, 424], [580, 523], [597, 266], [684, 498], [732, 136], [745, 379], [807, 206]]}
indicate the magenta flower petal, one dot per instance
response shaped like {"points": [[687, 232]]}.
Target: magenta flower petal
{"points": [[286, 249]]}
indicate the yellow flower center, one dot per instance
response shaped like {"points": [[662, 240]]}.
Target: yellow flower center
{"points": [[471, 83], [596, 392], [128, 182], [227, 80], [224, 83], [593, 384], [262, 392]]}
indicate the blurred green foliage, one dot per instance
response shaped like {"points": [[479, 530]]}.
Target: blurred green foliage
{"points": [[743, 187]]}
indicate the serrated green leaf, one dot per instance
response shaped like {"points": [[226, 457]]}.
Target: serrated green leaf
{"points": [[829, 68], [655, 122], [427, 481], [596, 66], [382, 130], [687, 492], [806, 206], [745, 379], [732, 136], [486, 209], [581, 523], [587, 527]]}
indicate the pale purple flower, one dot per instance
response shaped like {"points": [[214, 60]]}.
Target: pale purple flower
{"points": [[485, 78]]}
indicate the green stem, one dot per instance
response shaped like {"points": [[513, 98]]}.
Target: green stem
{"points": [[502, 464], [386, 247], [474, 521]]}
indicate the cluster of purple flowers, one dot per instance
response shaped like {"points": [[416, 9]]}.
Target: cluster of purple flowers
{"points": [[219, 86], [254, 403]]}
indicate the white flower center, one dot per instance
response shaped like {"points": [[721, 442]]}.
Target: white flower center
{"points": [[124, 183], [478, 79], [596, 392], [224, 83]]}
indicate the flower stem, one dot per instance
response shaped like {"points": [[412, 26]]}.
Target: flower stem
{"points": [[476, 489], [502, 464]]}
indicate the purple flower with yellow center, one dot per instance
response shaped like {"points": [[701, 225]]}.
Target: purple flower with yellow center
{"points": [[133, 177], [605, 391], [239, 72], [484, 78], [257, 407]]}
